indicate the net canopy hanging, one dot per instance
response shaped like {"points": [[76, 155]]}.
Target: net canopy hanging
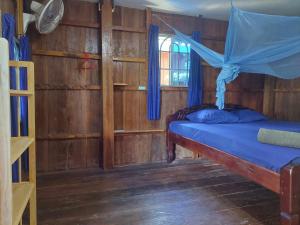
{"points": [[255, 43]]}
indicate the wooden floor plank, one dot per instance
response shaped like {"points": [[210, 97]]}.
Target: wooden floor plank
{"points": [[190, 193]]}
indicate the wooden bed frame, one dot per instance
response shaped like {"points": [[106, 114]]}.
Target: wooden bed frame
{"points": [[286, 183]]}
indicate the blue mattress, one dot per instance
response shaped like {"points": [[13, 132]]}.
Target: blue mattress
{"points": [[240, 139]]}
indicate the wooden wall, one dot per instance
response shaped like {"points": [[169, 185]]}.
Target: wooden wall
{"points": [[69, 93], [68, 100], [147, 142], [68, 109], [137, 140], [283, 98], [7, 6]]}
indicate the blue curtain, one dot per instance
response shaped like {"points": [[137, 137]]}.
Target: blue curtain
{"points": [[24, 56], [153, 97], [8, 32], [195, 77]]}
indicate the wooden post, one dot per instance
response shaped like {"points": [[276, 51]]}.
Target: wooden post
{"points": [[32, 151], [107, 85], [269, 97], [5, 165], [290, 193], [148, 18], [19, 13], [171, 148]]}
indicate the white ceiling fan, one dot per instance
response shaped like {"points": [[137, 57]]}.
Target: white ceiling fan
{"points": [[46, 16]]}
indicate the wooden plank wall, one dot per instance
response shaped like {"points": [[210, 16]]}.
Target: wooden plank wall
{"points": [[130, 103], [68, 100], [68, 109], [137, 140], [7, 6], [283, 98]]}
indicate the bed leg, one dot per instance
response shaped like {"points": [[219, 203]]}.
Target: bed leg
{"points": [[290, 193], [171, 147]]}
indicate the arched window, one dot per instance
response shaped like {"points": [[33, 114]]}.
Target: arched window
{"points": [[174, 61]]}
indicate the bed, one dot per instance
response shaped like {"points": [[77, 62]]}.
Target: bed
{"points": [[274, 167]]}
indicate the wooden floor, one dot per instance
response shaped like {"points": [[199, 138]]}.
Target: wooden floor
{"points": [[193, 193]]}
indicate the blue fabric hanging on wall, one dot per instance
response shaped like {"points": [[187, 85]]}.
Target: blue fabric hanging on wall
{"points": [[195, 77], [8, 32], [153, 96], [24, 56]]}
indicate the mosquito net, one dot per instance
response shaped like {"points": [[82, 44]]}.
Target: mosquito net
{"points": [[255, 43]]}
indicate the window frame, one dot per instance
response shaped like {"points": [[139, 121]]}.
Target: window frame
{"points": [[171, 54]]}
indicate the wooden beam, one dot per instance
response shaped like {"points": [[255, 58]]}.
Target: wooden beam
{"points": [[5, 166], [129, 29], [69, 136], [269, 96], [32, 148], [79, 24], [19, 13], [66, 54], [129, 59], [68, 87], [128, 132], [107, 85], [148, 18]]}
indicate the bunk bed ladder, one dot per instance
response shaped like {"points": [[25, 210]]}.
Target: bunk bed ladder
{"points": [[24, 192]]}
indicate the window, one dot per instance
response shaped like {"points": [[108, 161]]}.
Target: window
{"points": [[174, 61]]}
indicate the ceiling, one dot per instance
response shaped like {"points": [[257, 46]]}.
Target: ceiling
{"points": [[216, 9]]}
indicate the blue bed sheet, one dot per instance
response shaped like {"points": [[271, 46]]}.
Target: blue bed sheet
{"points": [[240, 139]]}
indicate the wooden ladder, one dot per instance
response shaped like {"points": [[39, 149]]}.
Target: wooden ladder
{"points": [[23, 192]]}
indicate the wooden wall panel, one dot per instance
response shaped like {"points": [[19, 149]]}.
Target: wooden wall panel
{"points": [[81, 12], [286, 106], [58, 72], [129, 44], [128, 17], [139, 149], [286, 99], [69, 113], [130, 103], [217, 46], [185, 24], [68, 97], [214, 29], [7, 6], [281, 98], [133, 74], [68, 38]]}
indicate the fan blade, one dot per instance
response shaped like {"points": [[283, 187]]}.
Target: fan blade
{"points": [[35, 6]]}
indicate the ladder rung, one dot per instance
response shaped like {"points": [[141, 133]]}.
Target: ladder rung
{"points": [[20, 93]]}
